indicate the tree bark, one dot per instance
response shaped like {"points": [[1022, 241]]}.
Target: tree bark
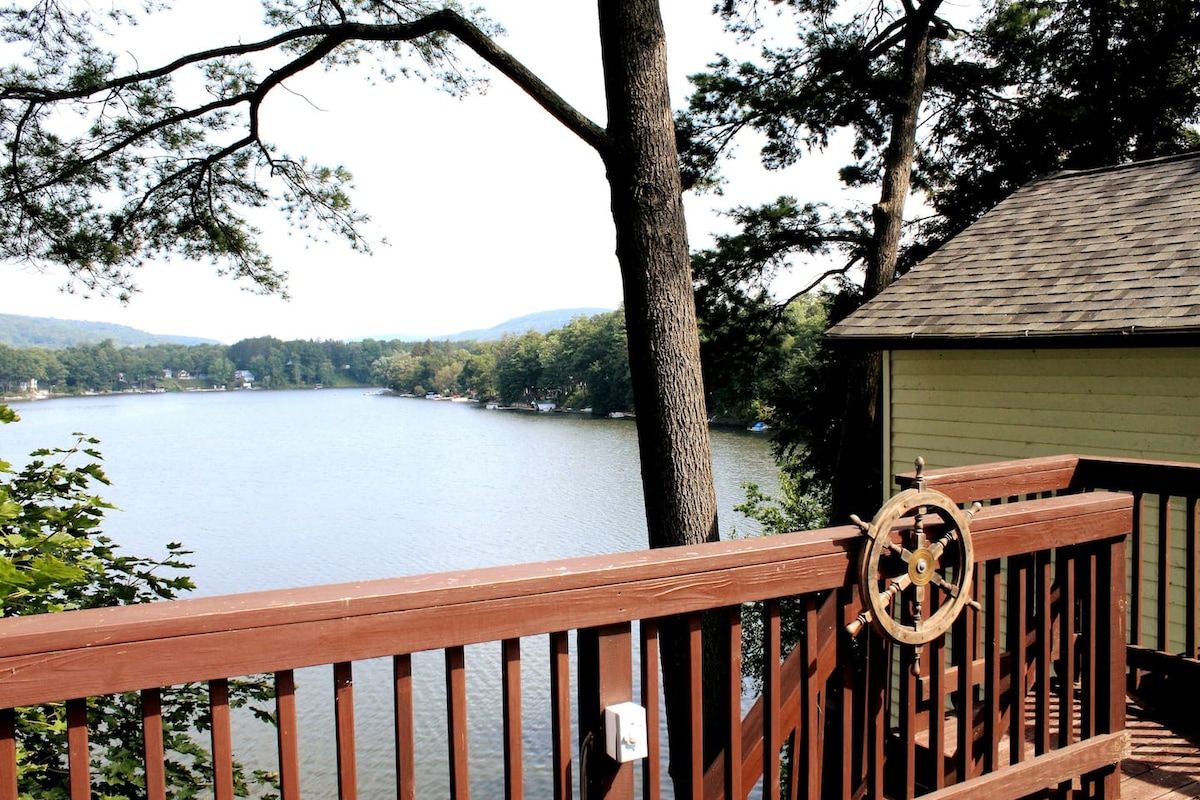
{"points": [[652, 250], [660, 314], [858, 475]]}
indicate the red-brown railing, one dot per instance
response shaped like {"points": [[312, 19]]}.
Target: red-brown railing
{"points": [[957, 730], [1164, 548]]}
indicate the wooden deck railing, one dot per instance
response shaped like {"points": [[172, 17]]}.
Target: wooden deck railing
{"points": [[1164, 549], [959, 729]]}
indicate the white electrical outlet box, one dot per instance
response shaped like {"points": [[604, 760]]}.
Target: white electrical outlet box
{"points": [[625, 732]]}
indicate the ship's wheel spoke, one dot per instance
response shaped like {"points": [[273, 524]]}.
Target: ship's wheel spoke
{"points": [[943, 584]]}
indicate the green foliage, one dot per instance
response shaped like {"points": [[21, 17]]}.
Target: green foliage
{"points": [[54, 558], [754, 351], [796, 509], [112, 163], [584, 364], [1030, 88], [1060, 86], [106, 367]]}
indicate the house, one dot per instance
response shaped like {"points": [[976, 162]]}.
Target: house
{"points": [[1065, 320]]}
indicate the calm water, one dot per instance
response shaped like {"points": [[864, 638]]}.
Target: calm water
{"points": [[282, 489]]}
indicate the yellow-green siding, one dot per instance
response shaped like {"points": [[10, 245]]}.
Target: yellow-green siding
{"points": [[961, 407], [964, 407]]}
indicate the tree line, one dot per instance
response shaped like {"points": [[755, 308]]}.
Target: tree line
{"points": [[582, 365], [106, 367]]}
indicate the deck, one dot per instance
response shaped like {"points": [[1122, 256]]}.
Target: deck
{"points": [[1161, 764]]}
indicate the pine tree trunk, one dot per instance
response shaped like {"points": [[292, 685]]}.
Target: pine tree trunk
{"points": [[858, 476], [652, 249], [664, 349]]}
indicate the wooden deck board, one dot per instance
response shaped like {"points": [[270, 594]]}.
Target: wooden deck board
{"points": [[1162, 764]]}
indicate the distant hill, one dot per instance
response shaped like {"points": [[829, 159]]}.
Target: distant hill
{"points": [[542, 322], [54, 334]]}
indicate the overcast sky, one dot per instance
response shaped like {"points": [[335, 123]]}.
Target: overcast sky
{"points": [[491, 209]]}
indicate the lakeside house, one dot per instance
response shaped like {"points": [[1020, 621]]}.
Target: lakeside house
{"points": [[1065, 320]]}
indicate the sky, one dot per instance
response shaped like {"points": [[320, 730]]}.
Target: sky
{"points": [[489, 208]]}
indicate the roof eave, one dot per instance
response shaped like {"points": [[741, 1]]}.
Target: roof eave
{"points": [[1131, 337]]}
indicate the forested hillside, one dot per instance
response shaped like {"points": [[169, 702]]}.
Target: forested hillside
{"points": [[51, 333]]}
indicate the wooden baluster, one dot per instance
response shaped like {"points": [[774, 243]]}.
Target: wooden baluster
{"points": [[852, 735], [908, 716], [456, 722], [993, 609], [650, 665], [772, 740], [879, 667], [222, 739], [1089, 595], [343, 711], [964, 656], [1136, 540], [1019, 613], [560, 714], [78, 755], [937, 699], [152, 744], [287, 735], [1065, 569], [733, 734], [8, 754], [1163, 644], [696, 699], [402, 697], [1045, 651], [1192, 595], [812, 721], [514, 773], [1110, 663]]}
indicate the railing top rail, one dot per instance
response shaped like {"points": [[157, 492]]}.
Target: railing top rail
{"points": [[1178, 478], [82, 653], [1056, 473], [999, 479]]}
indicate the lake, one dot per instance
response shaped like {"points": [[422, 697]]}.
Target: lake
{"points": [[282, 489]]}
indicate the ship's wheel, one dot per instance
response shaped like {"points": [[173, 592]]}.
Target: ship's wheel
{"points": [[918, 542]]}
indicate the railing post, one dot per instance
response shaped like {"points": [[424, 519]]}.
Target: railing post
{"points": [[605, 678], [1111, 666]]}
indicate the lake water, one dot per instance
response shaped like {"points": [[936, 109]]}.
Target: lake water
{"points": [[283, 489]]}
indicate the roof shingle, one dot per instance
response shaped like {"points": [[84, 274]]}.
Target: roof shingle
{"points": [[1104, 252]]}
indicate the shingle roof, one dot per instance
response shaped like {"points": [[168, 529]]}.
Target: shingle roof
{"points": [[1088, 253]]}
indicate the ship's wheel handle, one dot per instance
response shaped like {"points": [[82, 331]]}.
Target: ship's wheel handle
{"points": [[919, 541]]}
